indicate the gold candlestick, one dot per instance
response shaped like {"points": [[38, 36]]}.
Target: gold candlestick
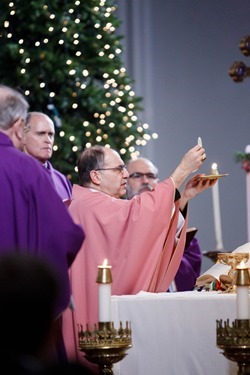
{"points": [[235, 340], [105, 345]]}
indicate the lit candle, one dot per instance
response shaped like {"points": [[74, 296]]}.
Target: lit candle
{"points": [[242, 291], [104, 279], [216, 208]]}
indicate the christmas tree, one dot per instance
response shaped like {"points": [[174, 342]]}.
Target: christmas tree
{"points": [[65, 57]]}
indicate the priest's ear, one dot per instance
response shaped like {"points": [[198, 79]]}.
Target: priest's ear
{"points": [[95, 177], [18, 133]]}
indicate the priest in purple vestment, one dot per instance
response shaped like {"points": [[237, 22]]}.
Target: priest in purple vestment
{"points": [[39, 135], [33, 217]]}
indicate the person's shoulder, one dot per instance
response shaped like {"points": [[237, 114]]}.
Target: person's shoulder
{"points": [[57, 172], [20, 157]]}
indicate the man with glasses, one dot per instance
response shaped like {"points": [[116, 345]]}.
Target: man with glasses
{"points": [[140, 238], [143, 176]]}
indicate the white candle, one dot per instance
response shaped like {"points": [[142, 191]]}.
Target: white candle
{"points": [[247, 151], [104, 280], [248, 204], [216, 209], [242, 291], [242, 295]]}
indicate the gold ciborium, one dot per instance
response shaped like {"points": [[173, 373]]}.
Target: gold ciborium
{"points": [[232, 260], [105, 345]]}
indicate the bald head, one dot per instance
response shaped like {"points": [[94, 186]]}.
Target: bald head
{"points": [[142, 176], [39, 136]]}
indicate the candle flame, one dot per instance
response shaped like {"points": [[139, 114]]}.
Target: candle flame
{"points": [[214, 166], [242, 265], [214, 170], [105, 262]]}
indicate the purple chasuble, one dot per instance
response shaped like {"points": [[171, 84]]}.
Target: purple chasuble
{"points": [[32, 216], [61, 182]]}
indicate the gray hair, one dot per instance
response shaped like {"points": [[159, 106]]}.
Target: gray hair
{"points": [[13, 106]]}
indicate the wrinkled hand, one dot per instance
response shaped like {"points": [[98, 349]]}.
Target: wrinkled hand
{"points": [[195, 186]]}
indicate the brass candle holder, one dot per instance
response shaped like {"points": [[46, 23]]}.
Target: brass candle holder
{"points": [[234, 340], [105, 345]]}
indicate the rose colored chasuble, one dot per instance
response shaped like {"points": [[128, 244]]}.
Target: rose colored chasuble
{"points": [[137, 237]]}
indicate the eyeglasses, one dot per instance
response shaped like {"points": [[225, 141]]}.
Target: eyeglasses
{"points": [[138, 175], [119, 168]]}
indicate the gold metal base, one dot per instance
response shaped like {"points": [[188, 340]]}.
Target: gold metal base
{"points": [[235, 342], [106, 345]]}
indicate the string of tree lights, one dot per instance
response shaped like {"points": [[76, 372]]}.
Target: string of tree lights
{"points": [[239, 70], [65, 57]]}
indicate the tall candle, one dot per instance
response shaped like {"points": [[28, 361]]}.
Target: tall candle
{"points": [[248, 204], [216, 210], [247, 151], [104, 280], [242, 291]]}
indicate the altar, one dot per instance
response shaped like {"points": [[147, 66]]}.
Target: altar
{"points": [[174, 333]]}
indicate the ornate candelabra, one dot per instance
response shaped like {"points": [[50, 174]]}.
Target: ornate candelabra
{"points": [[105, 345], [234, 340]]}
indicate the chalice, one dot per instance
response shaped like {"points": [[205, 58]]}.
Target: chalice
{"points": [[232, 260]]}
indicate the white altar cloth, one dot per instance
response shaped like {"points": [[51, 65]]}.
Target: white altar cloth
{"points": [[174, 333]]}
